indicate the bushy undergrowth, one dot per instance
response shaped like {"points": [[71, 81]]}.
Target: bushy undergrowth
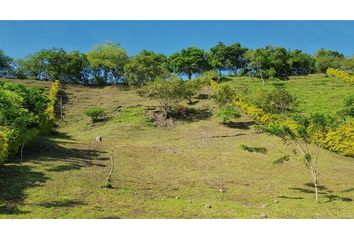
{"points": [[341, 74], [24, 113]]}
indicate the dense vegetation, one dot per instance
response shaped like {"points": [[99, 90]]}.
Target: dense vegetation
{"points": [[109, 63], [24, 113]]}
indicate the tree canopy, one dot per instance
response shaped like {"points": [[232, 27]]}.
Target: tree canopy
{"points": [[108, 61], [145, 67]]}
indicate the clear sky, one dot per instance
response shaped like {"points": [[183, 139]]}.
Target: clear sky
{"points": [[19, 38]]}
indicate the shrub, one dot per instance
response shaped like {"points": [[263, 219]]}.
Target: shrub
{"points": [[96, 114], [208, 76], [340, 74], [279, 100], [224, 95], [226, 114]]}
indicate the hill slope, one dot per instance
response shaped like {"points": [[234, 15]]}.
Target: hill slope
{"points": [[194, 170]]}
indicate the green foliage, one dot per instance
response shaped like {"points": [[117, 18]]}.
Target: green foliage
{"points": [[279, 62], [108, 61], [227, 114], [253, 149], [205, 78], [224, 95], [328, 59], [145, 67], [167, 91], [132, 115], [227, 58], [54, 64], [5, 63], [278, 100], [23, 115], [96, 114], [189, 61], [348, 109]]}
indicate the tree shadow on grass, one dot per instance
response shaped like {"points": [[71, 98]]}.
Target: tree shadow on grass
{"points": [[191, 114], [61, 203], [55, 150], [328, 194], [58, 148], [14, 180], [240, 125]]}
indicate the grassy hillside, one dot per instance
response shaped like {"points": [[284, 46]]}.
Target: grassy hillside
{"points": [[315, 92], [194, 170]]}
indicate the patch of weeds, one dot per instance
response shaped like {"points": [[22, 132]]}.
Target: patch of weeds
{"points": [[281, 160], [132, 115], [253, 149]]}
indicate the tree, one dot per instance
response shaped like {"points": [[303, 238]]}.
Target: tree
{"points": [[31, 66], [257, 61], [189, 61], [328, 59], [218, 57], [300, 138], [300, 63], [76, 69], [235, 57], [168, 91], [5, 63], [145, 67], [108, 61], [229, 58]]}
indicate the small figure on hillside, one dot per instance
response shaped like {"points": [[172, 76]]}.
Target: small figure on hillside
{"points": [[98, 139]]}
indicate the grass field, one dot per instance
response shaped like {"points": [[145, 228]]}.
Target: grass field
{"points": [[194, 170]]}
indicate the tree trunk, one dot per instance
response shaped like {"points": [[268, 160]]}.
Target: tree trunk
{"points": [[189, 76], [23, 144]]}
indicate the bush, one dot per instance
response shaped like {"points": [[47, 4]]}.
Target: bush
{"points": [[279, 100], [23, 115], [348, 109], [207, 77], [224, 95], [226, 114], [96, 114]]}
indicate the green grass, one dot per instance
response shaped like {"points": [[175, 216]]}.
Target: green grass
{"points": [[132, 115], [169, 173], [315, 92]]}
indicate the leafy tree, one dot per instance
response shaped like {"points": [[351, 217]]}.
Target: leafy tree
{"points": [[189, 61], [300, 63], [218, 57], [31, 66], [328, 59], [76, 68], [5, 63], [235, 57], [229, 58], [145, 67], [190, 89], [108, 61], [168, 91], [300, 139], [257, 60]]}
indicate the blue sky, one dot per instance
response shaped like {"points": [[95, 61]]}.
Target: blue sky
{"points": [[19, 38]]}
